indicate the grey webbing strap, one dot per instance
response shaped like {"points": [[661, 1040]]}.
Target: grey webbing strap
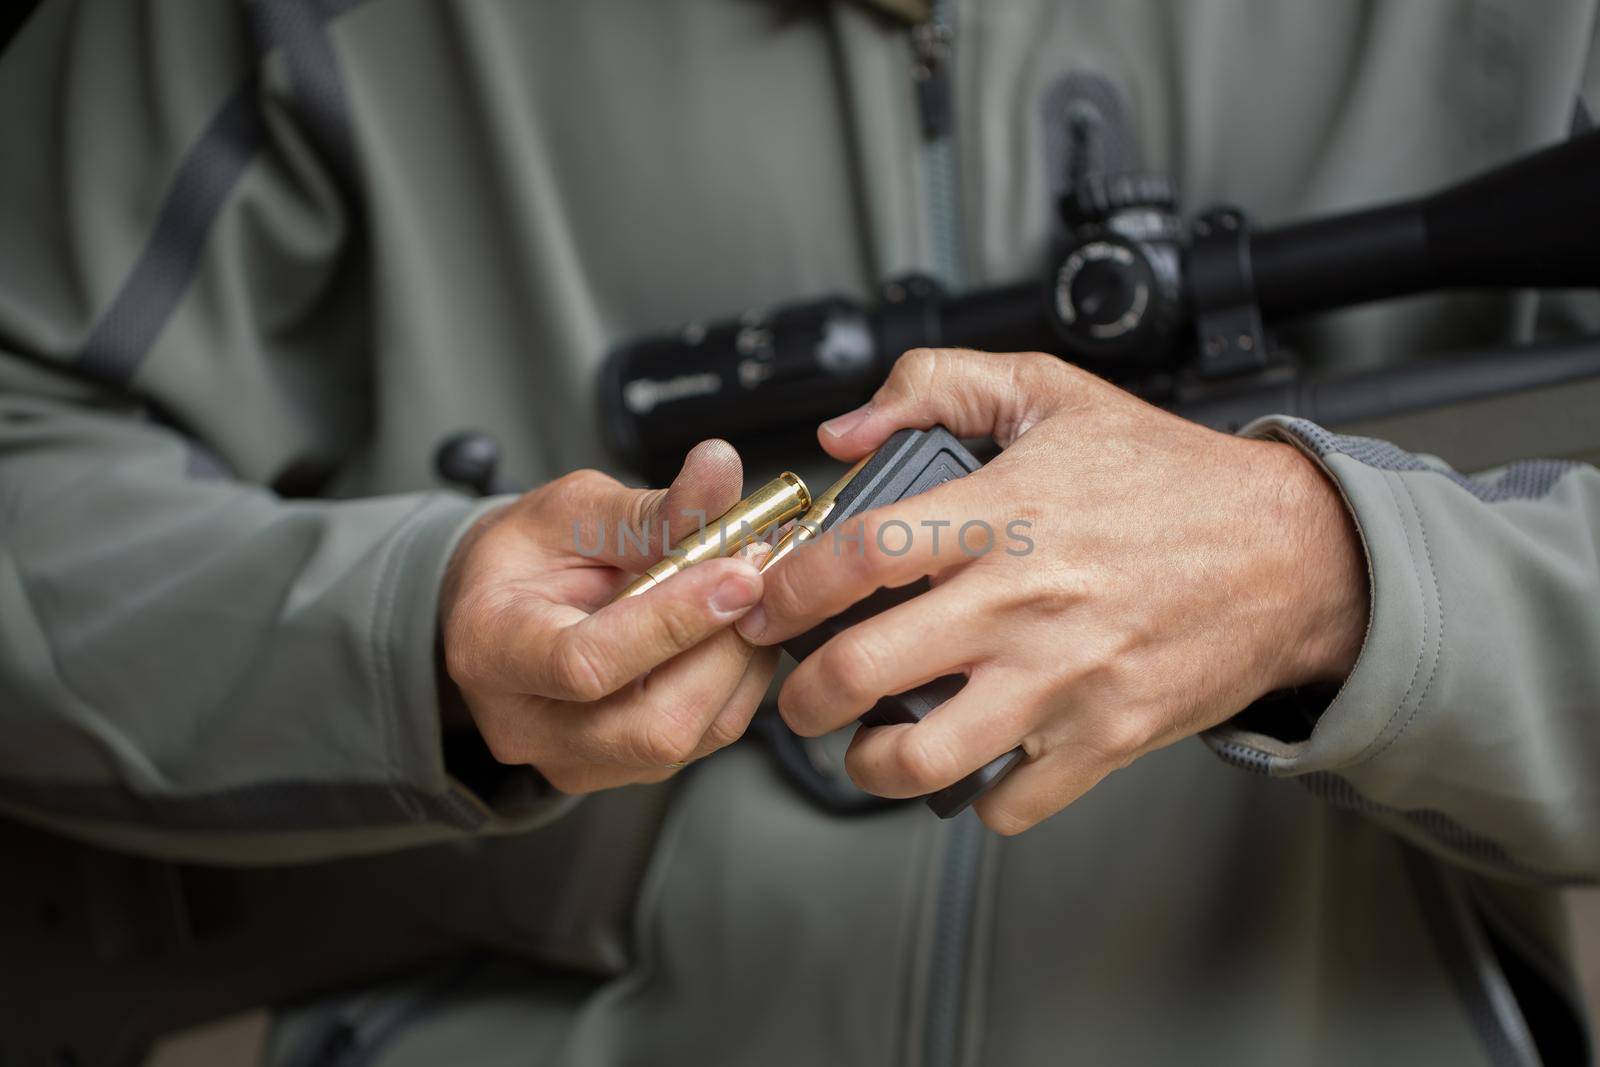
{"points": [[125, 332]]}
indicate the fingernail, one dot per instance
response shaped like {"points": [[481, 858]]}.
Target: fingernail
{"points": [[754, 551], [753, 625], [734, 594], [840, 425]]}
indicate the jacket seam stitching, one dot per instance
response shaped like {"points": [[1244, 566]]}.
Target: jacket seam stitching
{"points": [[376, 637], [398, 689], [388, 705], [1422, 651], [1437, 612]]}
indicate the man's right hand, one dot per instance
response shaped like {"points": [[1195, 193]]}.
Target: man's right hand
{"points": [[596, 694]]}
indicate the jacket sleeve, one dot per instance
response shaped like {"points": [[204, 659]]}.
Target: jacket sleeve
{"points": [[1471, 723], [194, 663]]}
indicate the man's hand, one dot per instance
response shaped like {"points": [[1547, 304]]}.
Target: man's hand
{"points": [[595, 694], [1176, 575]]}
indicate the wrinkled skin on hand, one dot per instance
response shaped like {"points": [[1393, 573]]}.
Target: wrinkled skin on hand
{"points": [[1177, 574], [596, 694]]}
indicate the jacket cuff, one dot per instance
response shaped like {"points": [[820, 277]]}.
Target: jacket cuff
{"points": [[516, 798], [1394, 671]]}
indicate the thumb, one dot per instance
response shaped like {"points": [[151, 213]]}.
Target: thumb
{"points": [[708, 484], [972, 394], [633, 528]]}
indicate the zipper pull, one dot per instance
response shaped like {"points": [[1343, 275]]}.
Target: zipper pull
{"points": [[930, 75]]}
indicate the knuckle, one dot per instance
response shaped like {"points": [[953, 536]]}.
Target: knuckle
{"points": [[607, 743], [926, 762], [586, 479], [1005, 822], [796, 712], [805, 588], [641, 511], [780, 591], [1044, 379], [881, 536], [505, 747], [719, 736], [577, 486], [577, 671], [912, 377], [464, 641], [1123, 737], [1040, 365], [1036, 372], [568, 780], [923, 373], [469, 656], [853, 664], [664, 740], [680, 627], [917, 363], [463, 662]]}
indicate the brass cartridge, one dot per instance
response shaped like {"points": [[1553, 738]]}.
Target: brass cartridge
{"points": [[776, 502], [810, 524]]}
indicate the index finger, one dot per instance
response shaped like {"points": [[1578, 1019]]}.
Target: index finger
{"points": [[886, 547], [972, 394], [558, 651]]}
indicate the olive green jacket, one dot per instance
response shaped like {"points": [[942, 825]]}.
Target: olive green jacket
{"points": [[258, 259]]}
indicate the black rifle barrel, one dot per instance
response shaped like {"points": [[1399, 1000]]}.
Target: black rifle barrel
{"points": [[1534, 222]]}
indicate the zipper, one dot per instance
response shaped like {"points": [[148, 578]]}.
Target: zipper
{"points": [[961, 861], [931, 80]]}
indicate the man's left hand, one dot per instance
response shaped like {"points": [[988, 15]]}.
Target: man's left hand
{"points": [[1175, 575]]}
